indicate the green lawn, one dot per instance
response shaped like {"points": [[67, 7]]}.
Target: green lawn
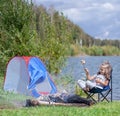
{"points": [[101, 109], [12, 105]]}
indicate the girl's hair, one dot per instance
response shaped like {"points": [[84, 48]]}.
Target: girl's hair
{"points": [[108, 69]]}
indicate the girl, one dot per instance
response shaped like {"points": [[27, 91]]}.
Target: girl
{"points": [[100, 80]]}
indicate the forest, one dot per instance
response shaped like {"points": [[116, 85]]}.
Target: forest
{"points": [[30, 30]]}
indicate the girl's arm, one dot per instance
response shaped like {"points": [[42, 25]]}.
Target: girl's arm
{"points": [[88, 75], [104, 83]]}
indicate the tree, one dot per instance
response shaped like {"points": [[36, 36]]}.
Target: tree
{"points": [[16, 29]]}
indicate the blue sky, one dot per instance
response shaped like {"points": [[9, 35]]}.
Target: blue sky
{"points": [[98, 18]]}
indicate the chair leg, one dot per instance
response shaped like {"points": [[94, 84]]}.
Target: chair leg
{"points": [[99, 97], [104, 97], [111, 95], [90, 96]]}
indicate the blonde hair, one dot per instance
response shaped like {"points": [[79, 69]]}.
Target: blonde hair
{"points": [[108, 69]]}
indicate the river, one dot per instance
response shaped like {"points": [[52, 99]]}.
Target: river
{"points": [[75, 69]]}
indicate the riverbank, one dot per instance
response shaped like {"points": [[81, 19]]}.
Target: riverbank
{"points": [[77, 50]]}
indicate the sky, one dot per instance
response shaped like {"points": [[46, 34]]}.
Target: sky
{"points": [[98, 18]]}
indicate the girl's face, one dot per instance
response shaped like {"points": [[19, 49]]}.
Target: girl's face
{"points": [[102, 70]]}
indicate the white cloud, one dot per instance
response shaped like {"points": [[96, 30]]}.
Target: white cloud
{"points": [[72, 12], [108, 6], [106, 34], [102, 15]]}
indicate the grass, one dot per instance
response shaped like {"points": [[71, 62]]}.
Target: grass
{"points": [[12, 105], [101, 109]]}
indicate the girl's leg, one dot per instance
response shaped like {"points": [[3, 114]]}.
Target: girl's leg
{"points": [[90, 84], [82, 84]]}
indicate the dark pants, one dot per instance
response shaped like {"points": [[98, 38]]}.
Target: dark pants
{"points": [[70, 98], [77, 99]]}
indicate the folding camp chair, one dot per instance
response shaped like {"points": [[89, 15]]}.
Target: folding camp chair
{"points": [[102, 94]]}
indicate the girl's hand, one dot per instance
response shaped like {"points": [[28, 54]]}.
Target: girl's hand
{"points": [[83, 62], [86, 71], [98, 80]]}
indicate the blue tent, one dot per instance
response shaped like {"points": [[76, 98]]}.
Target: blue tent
{"points": [[28, 75]]}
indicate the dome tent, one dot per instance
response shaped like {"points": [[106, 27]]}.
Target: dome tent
{"points": [[28, 75]]}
